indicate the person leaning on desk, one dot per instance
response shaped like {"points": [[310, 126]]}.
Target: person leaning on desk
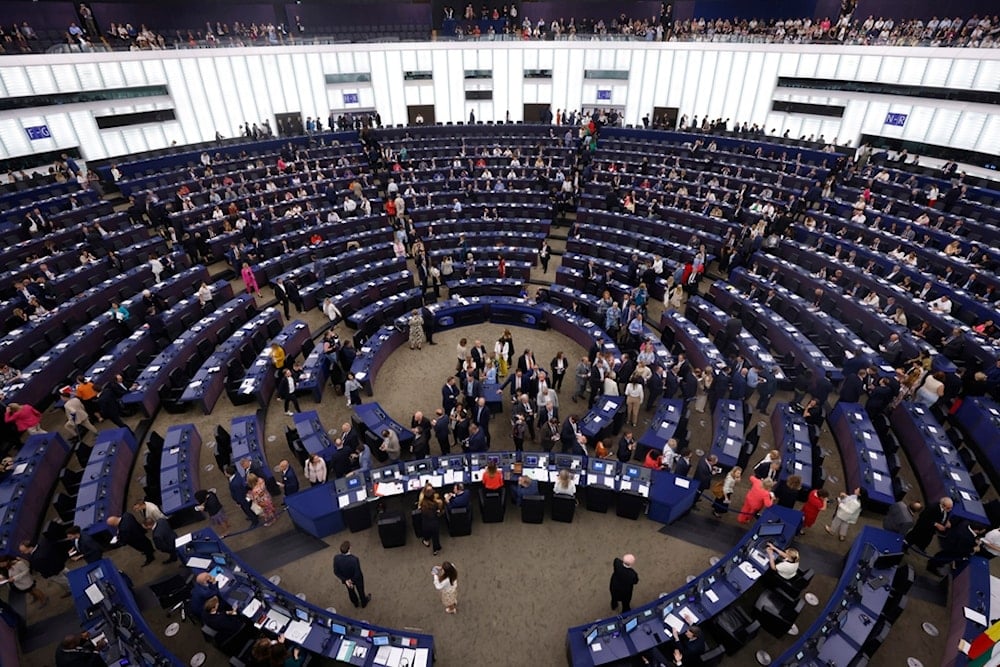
{"points": [[788, 566], [688, 649]]}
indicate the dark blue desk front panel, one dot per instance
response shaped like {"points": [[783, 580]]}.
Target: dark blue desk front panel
{"points": [[936, 462], [316, 510], [376, 420], [861, 596], [700, 350], [206, 387], [105, 479], [979, 417], [244, 585], [137, 641], [970, 587], [662, 426], [155, 377], [313, 435], [727, 443], [245, 434], [179, 468], [599, 421], [25, 493], [791, 438], [865, 463], [696, 602], [670, 496]]}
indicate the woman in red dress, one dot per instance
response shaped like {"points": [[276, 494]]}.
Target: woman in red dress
{"points": [[815, 503]]}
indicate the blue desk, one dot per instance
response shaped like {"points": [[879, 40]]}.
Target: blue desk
{"points": [[316, 510], [179, 468], [785, 338], [979, 418], [386, 310], [662, 426], [860, 597], [105, 479], [865, 463], [670, 496], [209, 382], [970, 588], [156, 376], [314, 437], [700, 351], [376, 420], [244, 585], [25, 493], [935, 461], [728, 580], [604, 419], [245, 436], [315, 373], [260, 380], [138, 642], [485, 287], [727, 443], [791, 438]]}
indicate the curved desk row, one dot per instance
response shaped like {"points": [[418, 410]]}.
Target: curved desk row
{"points": [[712, 592], [728, 421], [698, 347], [245, 437], [209, 382], [865, 462], [364, 267], [395, 303], [799, 456], [517, 225], [326, 509], [979, 418], [175, 357], [276, 611], [179, 468], [104, 484], [261, 378], [469, 287], [24, 494], [936, 461], [714, 320], [970, 589], [109, 612], [861, 607]]}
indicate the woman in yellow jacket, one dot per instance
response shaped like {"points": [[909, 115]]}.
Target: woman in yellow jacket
{"points": [[278, 356]]}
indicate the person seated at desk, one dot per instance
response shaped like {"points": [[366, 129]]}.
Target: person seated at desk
{"points": [[492, 477], [689, 647], [458, 498], [788, 566], [227, 623], [273, 652], [565, 484], [78, 651], [205, 587], [526, 486]]}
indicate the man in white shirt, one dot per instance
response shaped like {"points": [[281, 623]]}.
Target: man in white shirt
{"points": [[941, 305]]}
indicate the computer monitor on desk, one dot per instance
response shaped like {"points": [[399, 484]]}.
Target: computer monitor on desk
{"points": [[599, 467], [536, 461], [452, 462], [349, 483], [417, 467], [568, 462], [389, 473]]}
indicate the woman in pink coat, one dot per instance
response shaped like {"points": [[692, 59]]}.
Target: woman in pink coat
{"points": [[250, 280], [24, 417]]}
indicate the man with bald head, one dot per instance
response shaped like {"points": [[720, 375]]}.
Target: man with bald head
{"points": [[933, 521], [623, 580]]}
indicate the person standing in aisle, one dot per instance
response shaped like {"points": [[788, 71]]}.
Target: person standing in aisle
{"points": [[623, 581], [347, 568], [445, 579]]}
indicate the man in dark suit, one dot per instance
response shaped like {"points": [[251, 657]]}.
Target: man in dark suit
{"points": [[477, 440], [934, 520], [654, 387], [526, 363], [481, 417], [519, 382], [227, 623], [347, 568], [854, 387], [238, 492], [84, 545], [623, 581], [682, 466], [472, 388], [704, 470], [442, 430], [952, 345], [478, 353], [205, 588], [281, 294], [128, 531], [891, 349], [428, 316], [293, 295], [880, 398], [340, 461], [164, 537], [961, 542], [47, 559], [568, 433], [690, 646], [288, 480], [449, 394]]}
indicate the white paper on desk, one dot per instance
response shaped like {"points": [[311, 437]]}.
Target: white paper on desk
{"points": [[194, 383], [608, 405], [297, 631], [712, 597], [383, 655], [199, 563], [345, 650], [395, 657], [965, 496], [798, 446], [20, 468], [796, 427], [153, 369], [420, 657], [477, 475], [674, 622], [866, 436], [748, 569], [597, 419], [798, 466], [222, 580], [729, 441], [343, 501], [435, 480], [183, 539], [682, 482], [955, 476], [452, 476], [670, 408], [877, 477], [644, 489], [688, 615], [975, 616], [595, 647], [174, 451], [732, 407], [252, 608]]}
